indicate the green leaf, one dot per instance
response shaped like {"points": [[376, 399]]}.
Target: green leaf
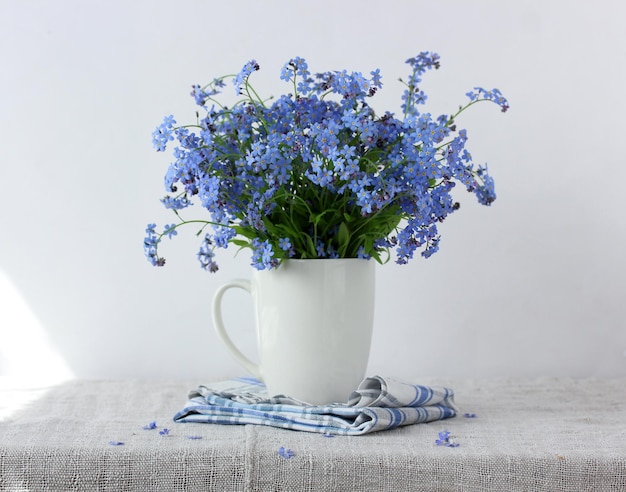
{"points": [[311, 250], [343, 237], [247, 232], [241, 243]]}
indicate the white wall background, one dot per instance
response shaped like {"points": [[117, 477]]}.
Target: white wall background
{"points": [[532, 286]]}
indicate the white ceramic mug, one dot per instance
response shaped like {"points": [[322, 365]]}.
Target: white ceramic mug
{"points": [[314, 327]]}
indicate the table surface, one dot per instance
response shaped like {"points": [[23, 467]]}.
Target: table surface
{"points": [[552, 434]]}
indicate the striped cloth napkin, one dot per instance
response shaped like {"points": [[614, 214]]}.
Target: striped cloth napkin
{"points": [[377, 404]]}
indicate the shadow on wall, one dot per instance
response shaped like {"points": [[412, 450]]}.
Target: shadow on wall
{"points": [[26, 356]]}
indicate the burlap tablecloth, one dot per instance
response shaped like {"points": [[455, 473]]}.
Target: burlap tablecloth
{"points": [[544, 434]]}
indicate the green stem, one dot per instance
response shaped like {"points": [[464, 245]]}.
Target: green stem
{"points": [[256, 95], [232, 75], [295, 86], [185, 222], [463, 108]]}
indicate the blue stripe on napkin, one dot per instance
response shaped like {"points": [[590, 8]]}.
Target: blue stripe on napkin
{"points": [[377, 404]]}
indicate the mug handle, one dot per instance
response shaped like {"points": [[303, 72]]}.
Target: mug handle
{"points": [[218, 324]]}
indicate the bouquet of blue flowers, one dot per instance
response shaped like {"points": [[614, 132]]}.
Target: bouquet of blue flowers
{"points": [[316, 173]]}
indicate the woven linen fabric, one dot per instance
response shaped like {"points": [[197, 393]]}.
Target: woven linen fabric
{"points": [[377, 404], [535, 434]]}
